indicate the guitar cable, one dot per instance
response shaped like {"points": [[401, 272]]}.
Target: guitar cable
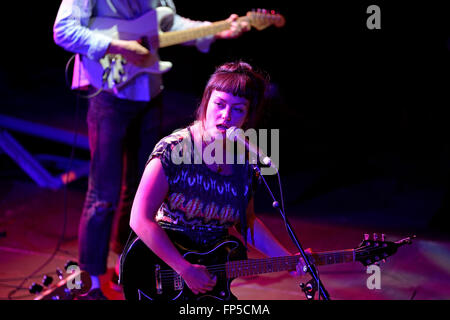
{"points": [[88, 96], [65, 198]]}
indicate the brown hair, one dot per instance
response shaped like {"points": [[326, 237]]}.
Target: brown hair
{"points": [[240, 79]]}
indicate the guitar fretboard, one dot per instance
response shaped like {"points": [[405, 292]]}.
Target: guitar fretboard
{"points": [[333, 257], [181, 36], [249, 267]]}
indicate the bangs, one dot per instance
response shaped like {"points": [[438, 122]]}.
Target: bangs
{"points": [[240, 80], [235, 84]]}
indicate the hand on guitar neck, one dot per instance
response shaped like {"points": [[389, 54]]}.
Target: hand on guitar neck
{"points": [[137, 54], [133, 52], [237, 27], [126, 58], [301, 267]]}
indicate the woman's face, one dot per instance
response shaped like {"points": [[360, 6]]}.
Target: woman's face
{"points": [[224, 110]]}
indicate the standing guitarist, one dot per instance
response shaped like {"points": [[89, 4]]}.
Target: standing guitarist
{"points": [[121, 123]]}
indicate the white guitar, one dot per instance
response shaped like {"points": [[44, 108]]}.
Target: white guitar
{"points": [[112, 72]]}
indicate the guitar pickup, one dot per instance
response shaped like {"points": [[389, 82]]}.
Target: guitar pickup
{"points": [[178, 283], [158, 279]]}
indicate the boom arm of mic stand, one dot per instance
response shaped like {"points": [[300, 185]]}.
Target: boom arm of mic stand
{"points": [[310, 266]]}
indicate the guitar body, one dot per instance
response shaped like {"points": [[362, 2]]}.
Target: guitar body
{"points": [[112, 72], [146, 277], [144, 29]]}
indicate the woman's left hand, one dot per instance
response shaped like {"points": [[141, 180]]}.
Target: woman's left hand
{"points": [[301, 265]]}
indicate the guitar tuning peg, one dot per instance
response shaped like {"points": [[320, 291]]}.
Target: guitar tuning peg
{"points": [[70, 263], [59, 273], [47, 280], [366, 236], [35, 288]]}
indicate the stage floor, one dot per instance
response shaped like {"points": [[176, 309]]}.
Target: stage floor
{"points": [[33, 220], [393, 202]]}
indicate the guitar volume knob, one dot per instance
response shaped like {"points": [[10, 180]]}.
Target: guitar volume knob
{"points": [[35, 288], [59, 273], [70, 263], [47, 280]]}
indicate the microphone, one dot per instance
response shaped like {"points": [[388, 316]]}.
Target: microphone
{"points": [[235, 134]]}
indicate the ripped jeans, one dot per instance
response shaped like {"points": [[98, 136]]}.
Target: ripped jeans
{"points": [[122, 134]]}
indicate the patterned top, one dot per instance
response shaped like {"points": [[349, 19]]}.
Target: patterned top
{"points": [[197, 195]]}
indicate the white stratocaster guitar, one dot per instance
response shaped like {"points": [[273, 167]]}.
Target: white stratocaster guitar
{"points": [[112, 72]]}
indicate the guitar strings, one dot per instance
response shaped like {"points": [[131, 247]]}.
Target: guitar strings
{"points": [[246, 263], [248, 267], [245, 268], [250, 263]]}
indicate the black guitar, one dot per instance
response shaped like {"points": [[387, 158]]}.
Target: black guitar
{"points": [[146, 277]]}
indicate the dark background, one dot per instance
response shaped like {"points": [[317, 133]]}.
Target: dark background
{"points": [[356, 107]]}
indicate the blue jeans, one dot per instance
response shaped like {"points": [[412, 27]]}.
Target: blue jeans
{"points": [[122, 134]]}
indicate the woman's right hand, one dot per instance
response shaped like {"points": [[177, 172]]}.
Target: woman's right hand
{"points": [[198, 279]]}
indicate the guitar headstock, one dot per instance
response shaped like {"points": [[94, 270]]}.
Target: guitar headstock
{"points": [[377, 250], [262, 18], [76, 283]]}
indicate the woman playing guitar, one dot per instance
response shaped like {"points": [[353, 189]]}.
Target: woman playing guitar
{"points": [[193, 204]]}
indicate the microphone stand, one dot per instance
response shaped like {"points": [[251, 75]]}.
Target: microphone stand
{"points": [[315, 283]]}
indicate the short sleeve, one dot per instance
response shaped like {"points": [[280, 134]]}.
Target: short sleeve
{"points": [[162, 151], [170, 151]]}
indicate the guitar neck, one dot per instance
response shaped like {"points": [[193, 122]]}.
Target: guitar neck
{"points": [[249, 267], [176, 37]]}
